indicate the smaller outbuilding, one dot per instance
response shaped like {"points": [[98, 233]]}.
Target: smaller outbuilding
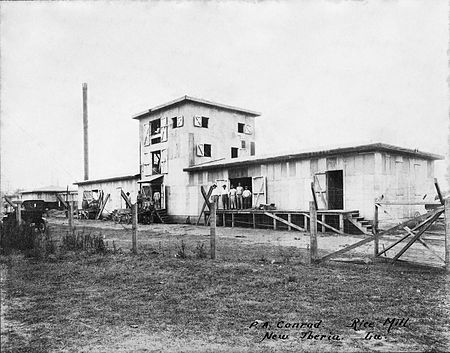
{"points": [[52, 195]]}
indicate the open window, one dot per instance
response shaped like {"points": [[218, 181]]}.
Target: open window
{"points": [[156, 162], [241, 128], [204, 150], [201, 121], [155, 127], [177, 121], [234, 152]]}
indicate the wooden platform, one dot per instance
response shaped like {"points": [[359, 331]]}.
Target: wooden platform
{"points": [[328, 220]]}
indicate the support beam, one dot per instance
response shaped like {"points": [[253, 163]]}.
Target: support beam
{"points": [[289, 221], [103, 206], [313, 232], [325, 225], [254, 220], [124, 196], [447, 234], [290, 224], [274, 222], [438, 191], [212, 230], [341, 222], [232, 220], [60, 199], [205, 203]]}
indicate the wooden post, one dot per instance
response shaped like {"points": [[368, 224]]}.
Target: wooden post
{"points": [[290, 221], [375, 231], [438, 191], [254, 220], [134, 219], [313, 232], [70, 214], [323, 219], [224, 220], [447, 234], [232, 220], [19, 214], [341, 222], [274, 223], [212, 229]]}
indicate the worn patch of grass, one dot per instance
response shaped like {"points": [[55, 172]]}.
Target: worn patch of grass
{"points": [[155, 300]]}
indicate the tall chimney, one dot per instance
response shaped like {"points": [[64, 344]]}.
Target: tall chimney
{"points": [[85, 133]]}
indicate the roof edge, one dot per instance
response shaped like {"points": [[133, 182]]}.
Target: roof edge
{"points": [[373, 147], [143, 114], [102, 180]]}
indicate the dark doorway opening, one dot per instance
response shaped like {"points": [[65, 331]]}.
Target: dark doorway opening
{"points": [[335, 190], [245, 182]]}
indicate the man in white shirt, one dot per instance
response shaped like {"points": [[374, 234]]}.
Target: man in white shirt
{"points": [[247, 196], [239, 191], [233, 197]]}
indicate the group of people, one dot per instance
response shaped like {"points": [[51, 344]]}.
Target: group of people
{"points": [[237, 198]]}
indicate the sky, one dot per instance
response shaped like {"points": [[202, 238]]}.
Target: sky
{"points": [[322, 73]]}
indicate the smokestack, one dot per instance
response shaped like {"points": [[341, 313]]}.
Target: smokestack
{"points": [[85, 133]]}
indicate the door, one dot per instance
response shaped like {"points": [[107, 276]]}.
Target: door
{"points": [[259, 191], [320, 188], [335, 190]]}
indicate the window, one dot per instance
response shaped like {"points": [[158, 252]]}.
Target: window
{"points": [[207, 150], [156, 162], [201, 121], [252, 148], [204, 150], [177, 121], [155, 127], [241, 127], [243, 144], [234, 152], [156, 140]]}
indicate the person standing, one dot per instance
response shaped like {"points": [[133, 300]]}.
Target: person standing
{"points": [[232, 197], [215, 195], [247, 196], [225, 197], [239, 191], [157, 199]]}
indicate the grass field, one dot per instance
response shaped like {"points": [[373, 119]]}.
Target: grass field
{"points": [[155, 301]]}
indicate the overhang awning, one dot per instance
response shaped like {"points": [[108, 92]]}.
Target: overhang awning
{"points": [[150, 178]]}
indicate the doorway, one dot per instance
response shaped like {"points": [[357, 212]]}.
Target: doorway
{"points": [[245, 182], [335, 189]]}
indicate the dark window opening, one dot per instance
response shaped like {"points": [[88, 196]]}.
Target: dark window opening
{"points": [[207, 150], [156, 162], [234, 152], [155, 127], [252, 148], [241, 127], [242, 144], [156, 140], [205, 121], [174, 122]]}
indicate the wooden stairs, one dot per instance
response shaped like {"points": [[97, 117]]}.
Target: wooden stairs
{"points": [[162, 216], [364, 225]]}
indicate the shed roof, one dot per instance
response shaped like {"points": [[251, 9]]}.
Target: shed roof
{"points": [[196, 100], [105, 180], [49, 189], [332, 152]]}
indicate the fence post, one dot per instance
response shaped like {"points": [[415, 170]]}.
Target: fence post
{"points": [[70, 214], [19, 213], [212, 229], [447, 234], [313, 231], [134, 219], [375, 231]]}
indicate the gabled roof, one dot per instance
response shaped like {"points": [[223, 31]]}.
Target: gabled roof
{"points": [[332, 152], [196, 100]]}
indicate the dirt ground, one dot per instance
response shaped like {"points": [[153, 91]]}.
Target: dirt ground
{"points": [[170, 299]]}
